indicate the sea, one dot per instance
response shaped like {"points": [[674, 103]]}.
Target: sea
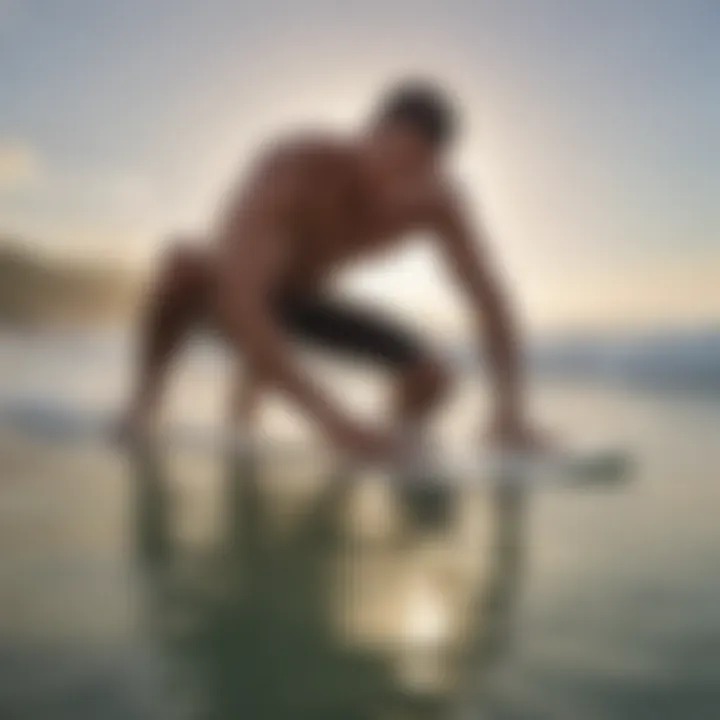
{"points": [[179, 582]]}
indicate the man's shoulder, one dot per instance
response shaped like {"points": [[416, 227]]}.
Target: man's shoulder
{"points": [[289, 171]]}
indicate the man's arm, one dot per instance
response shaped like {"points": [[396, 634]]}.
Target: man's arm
{"points": [[252, 261], [464, 247]]}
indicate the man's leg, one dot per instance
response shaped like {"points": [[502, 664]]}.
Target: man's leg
{"points": [[338, 326], [176, 302], [421, 388]]}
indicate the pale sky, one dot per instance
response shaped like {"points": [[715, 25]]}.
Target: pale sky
{"points": [[592, 142]]}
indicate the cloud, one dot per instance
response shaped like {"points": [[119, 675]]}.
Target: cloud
{"points": [[20, 166]]}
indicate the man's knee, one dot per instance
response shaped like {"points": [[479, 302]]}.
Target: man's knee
{"points": [[182, 262], [430, 380]]}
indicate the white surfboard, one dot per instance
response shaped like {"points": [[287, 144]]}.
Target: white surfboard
{"points": [[569, 466], [596, 464]]}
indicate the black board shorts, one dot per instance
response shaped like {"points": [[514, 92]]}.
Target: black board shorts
{"points": [[342, 327]]}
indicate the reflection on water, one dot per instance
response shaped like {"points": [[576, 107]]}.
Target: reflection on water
{"points": [[305, 619], [191, 586]]}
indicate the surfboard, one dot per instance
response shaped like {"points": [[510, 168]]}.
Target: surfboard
{"points": [[570, 466]]}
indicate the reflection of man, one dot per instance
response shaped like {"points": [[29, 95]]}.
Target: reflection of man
{"points": [[260, 635], [311, 207]]}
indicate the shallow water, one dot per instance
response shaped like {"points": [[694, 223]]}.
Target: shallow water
{"points": [[186, 585]]}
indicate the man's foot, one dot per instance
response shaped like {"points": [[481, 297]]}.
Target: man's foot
{"points": [[516, 437], [418, 459]]}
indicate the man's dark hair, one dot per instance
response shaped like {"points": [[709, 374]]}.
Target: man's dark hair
{"points": [[425, 106]]}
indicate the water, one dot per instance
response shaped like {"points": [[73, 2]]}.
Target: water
{"points": [[183, 585]]}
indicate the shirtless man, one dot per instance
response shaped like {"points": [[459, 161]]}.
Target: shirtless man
{"points": [[309, 208]]}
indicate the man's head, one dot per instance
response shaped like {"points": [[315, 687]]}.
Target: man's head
{"points": [[412, 128]]}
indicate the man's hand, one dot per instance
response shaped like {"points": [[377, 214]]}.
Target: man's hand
{"points": [[513, 433]]}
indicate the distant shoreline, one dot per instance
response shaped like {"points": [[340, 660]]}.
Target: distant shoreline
{"points": [[38, 292]]}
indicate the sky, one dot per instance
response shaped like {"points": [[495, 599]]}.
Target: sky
{"points": [[591, 149]]}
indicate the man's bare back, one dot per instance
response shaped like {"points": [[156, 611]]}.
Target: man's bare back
{"points": [[309, 208], [328, 207]]}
